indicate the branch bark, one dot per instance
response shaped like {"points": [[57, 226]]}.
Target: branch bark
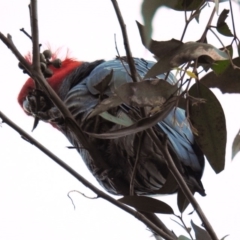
{"points": [[86, 183]]}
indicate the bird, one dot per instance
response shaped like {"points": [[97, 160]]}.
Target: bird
{"points": [[75, 83]]}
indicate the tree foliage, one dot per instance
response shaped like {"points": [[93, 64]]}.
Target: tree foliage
{"points": [[199, 66]]}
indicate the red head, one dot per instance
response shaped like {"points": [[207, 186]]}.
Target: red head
{"points": [[68, 65]]}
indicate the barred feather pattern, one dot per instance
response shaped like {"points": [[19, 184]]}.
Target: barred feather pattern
{"points": [[79, 95]]}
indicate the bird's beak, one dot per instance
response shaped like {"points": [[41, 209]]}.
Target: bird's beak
{"points": [[28, 105]]}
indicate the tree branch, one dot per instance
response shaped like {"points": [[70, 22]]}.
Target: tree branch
{"points": [[125, 41], [37, 75], [203, 37], [86, 183], [173, 169], [35, 37]]}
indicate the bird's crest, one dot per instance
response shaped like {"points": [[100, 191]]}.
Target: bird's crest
{"points": [[55, 66]]}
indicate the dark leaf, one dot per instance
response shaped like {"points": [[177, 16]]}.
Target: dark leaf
{"points": [[169, 186], [174, 53], [105, 105], [227, 82], [200, 233], [149, 9], [147, 204], [220, 66], [209, 121], [224, 30], [236, 145], [146, 93], [196, 14], [139, 126], [103, 84], [182, 201], [222, 27]]}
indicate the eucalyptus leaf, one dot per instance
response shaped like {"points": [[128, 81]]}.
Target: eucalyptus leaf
{"points": [[227, 82], [200, 233], [181, 237], [182, 201], [139, 126], [174, 53], [147, 204], [123, 121], [105, 105], [146, 93], [222, 26], [209, 121]]}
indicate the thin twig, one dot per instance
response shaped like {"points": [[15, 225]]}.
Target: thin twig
{"points": [[125, 41], [133, 75], [186, 191], [35, 37], [9, 43], [233, 23], [70, 121], [202, 39], [187, 21], [185, 227], [26, 33], [86, 183], [73, 126], [119, 56], [84, 195]]}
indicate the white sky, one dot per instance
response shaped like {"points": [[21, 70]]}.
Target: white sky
{"points": [[34, 202]]}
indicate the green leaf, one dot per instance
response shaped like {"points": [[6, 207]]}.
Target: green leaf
{"points": [[139, 126], [224, 30], [222, 27], [220, 67], [236, 145], [122, 120], [147, 204], [174, 53], [105, 105], [183, 238], [227, 82], [209, 120], [200, 233]]}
